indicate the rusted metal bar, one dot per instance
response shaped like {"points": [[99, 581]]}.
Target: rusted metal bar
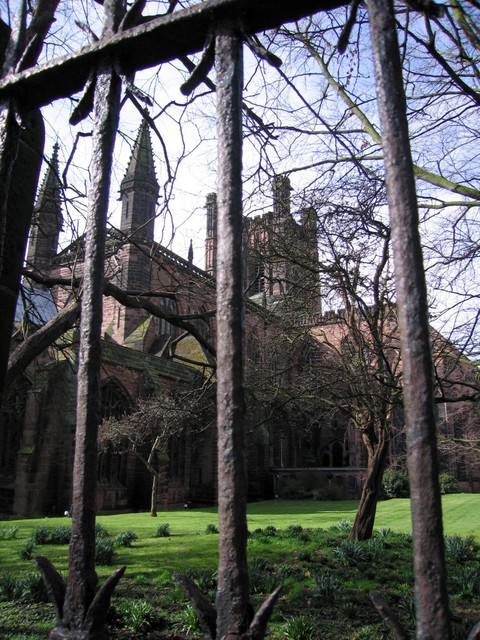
{"points": [[21, 151], [18, 190], [232, 591], [162, 39], [429, 562], [11, 47], [82, 579]]}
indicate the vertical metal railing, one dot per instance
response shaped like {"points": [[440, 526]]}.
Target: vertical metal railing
{"points": [[433, 620], [232, 593]]}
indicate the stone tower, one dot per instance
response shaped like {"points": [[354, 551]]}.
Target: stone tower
{"points": [[47, 218], [281, 253], [271, 244], [138, 193]]}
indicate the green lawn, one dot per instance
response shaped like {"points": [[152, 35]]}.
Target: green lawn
{"points": [[188, 544], [461, 513], [327, 578]]}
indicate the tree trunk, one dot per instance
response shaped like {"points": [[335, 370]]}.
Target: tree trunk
{"points": [[150, 463], [365, 517], [153, 503]]}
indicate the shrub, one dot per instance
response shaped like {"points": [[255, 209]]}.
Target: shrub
{"points": [[350, 552], [138, 615], [104, 551], [211, 528], [125, 539], [285, 570], [163, 530], [41, 535], [407, 538], [270, 531], [30, 587], [326, 586], [100, 531], [262, 581], [33, 588], [26, 552], [258, 564], [375, 549], [47, 535], [395, 483], [300, 628], [9, 587], [383, 533], [460, 549], [189, 620], [406, 607], [344, 525], [466, 582], [293, 530], [61, 535], [205, 580], [448, 484], [9, 533]]}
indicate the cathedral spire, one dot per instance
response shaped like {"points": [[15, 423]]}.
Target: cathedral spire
{"points": [[47, 217], [139, 189], [141, 167], [48, 198], [190, 254]]}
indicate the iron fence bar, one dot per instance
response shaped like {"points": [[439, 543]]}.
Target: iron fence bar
{"points": [[232, 590], [433, 620], [82, 578], [159, 40]]}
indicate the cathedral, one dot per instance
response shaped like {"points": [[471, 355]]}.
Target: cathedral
{"points": [[292, 449]]}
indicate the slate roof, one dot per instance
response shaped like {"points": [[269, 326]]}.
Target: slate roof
{"points": [[36, 305]]}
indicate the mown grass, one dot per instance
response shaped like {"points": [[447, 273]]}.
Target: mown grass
{"points": [[295, 543]]}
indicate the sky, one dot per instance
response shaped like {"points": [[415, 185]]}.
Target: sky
{"points": [[439, 135]]}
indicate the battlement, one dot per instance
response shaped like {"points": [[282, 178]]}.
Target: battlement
{"points": [[315, 319]]}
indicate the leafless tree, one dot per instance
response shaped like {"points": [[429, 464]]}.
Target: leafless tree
{"points": [[69, 75], [155, 422], [323, 123]]}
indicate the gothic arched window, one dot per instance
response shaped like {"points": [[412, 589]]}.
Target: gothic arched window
{"points": [[334, 454], [115, 404]]}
